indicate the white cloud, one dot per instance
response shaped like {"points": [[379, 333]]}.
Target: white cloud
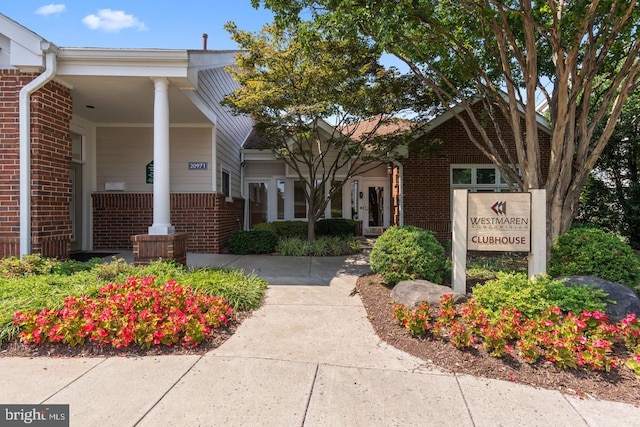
{"points": [[50, 9], [112, 21]]}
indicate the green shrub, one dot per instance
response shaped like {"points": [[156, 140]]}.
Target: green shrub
{"points": [[285, 229], [407, 252], [532, 297], [589, 251], [253, 242], [31, 264], [110, 271], [36, 265], [338, 227], [322, 246]]}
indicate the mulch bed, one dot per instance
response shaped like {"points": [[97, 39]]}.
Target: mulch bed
{"points": [[619, 385]]}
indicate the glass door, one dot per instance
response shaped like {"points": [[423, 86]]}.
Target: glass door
{"points": [[373, 206], [258, 203]]}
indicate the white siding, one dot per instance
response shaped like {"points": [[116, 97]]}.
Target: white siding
{"points": [[123, 152], [263, 170], [213, 85]]}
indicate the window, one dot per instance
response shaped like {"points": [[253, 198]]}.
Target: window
{"points": [[280, 199], [226, 183], [299, 200], [478, 178], [354, 199], [336, 201], [300, 208]]}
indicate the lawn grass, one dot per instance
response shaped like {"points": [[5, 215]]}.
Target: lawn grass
{"points": [[27, 288]]}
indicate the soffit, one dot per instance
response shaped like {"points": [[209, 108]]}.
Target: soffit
{"points": [[118, 84]]}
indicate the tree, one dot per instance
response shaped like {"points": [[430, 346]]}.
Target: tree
{"points": [[294, 81], [580, 55], [616, 179]]}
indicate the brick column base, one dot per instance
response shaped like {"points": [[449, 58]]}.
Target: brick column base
{"points": [[147, 248]]}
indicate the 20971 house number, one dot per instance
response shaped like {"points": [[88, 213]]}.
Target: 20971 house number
{"points": [[198, 165]]}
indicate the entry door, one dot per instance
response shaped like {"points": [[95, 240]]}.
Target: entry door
{"points": [[258, 202], [374, 206], [75, 209]]}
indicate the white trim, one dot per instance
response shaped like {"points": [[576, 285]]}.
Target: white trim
{"points": [[201, 105], [474, 186], [214, 159], [289, 202], [364, 183], [400, 192], [150, 125], [259, 155]]}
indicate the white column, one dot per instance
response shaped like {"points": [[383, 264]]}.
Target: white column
{"points": [[459, 242], [161, 176]]}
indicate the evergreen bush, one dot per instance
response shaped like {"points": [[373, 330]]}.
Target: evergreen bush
{"points": [[587, 251], [532, 297], [336, 227], [253, 242], [285, 229], [407, 252]]}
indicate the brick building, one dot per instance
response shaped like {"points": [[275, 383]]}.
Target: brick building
{"points": [[100, 145], [428, 181]]}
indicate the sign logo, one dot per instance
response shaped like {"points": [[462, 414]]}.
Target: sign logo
{"points": [[500, 208]]}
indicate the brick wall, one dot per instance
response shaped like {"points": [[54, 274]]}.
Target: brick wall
{"points": [[426, 185], [208, 218], [51, 153]]}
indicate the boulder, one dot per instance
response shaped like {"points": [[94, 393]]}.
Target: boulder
{"points": [[626, 299], [412, 292]]}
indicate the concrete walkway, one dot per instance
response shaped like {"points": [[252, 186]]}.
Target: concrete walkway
{"points": [[308, 357]]}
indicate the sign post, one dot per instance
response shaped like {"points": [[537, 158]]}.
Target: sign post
{"points": [[538, 254], [503, 222], [459, 242]]}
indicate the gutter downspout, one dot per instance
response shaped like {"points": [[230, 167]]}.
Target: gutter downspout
{"points": [[25, 144]]}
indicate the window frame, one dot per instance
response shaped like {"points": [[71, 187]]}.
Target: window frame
{"points": [[226, 191], [498, 186]]}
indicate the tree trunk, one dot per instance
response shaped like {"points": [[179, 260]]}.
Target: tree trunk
{"points": [[561, 207], [311, 228]]}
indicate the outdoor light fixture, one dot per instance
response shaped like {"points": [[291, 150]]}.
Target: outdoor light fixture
{"points": [[389, 168]]}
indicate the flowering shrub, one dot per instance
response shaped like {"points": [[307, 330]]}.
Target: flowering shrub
{"points": [[416, 321], [569, 340], [139, 311]]}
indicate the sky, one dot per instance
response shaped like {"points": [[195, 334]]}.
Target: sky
{"points": [[166, 24]]}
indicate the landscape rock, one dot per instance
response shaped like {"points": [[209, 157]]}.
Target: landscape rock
{"points": [[412, 292], [626, 299]]}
